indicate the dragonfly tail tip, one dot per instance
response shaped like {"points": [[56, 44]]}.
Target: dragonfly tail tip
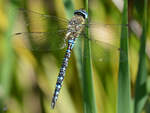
{"points": [[52, 105]]}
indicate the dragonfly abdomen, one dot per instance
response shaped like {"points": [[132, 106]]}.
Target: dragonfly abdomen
{"points": [[62, 71], [75, 27]]}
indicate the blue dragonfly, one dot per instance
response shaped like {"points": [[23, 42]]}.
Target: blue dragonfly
{"points": [[64, 35]]}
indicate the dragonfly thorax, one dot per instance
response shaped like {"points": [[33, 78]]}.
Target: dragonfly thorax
{"points": [[76, 20], [75, 26]]}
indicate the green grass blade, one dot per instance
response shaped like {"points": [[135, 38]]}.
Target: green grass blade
{"points": [[88, 91], [140, 89], [8, 61], [69, 7], [124, 99]]}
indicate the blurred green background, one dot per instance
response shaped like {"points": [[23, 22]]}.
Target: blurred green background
{"points": [[27, 78]]}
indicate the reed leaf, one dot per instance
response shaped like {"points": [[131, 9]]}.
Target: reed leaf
{"points": [[124, 99], [140, 89], [8, 59], [88, 91]]}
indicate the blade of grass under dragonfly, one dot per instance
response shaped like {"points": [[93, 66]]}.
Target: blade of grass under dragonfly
{"points": [[124, 99], [88, 90], [141, 95]]}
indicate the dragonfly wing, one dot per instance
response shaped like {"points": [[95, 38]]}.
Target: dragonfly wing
{"points": [[106, 38], [92, 24], [105, 51], [37, 21], [105, 32], [40, 41]]}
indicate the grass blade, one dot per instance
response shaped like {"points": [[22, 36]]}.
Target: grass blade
{"points": [[140, 88], [88, 91], [8, 61], [69, 7], [123, 103]]}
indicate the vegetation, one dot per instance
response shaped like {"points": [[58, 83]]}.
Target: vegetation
{"points": [[109, 68]]}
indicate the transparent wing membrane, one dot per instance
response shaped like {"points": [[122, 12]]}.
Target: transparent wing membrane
{"points": [[37, 21], [22, 10], [92, 24], [104, 51]]}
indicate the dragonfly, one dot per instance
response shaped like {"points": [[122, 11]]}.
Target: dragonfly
{"points": [[75, 28]]}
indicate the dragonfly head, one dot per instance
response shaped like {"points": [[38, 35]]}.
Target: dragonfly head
{"points": [[82, 13]]}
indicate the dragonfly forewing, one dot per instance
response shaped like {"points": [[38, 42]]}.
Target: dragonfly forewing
{"points": [[37, 21]]}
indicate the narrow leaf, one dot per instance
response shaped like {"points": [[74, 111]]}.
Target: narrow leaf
{"points": [[88, 91], [8, 60], [124, 99], [140, 88]]}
